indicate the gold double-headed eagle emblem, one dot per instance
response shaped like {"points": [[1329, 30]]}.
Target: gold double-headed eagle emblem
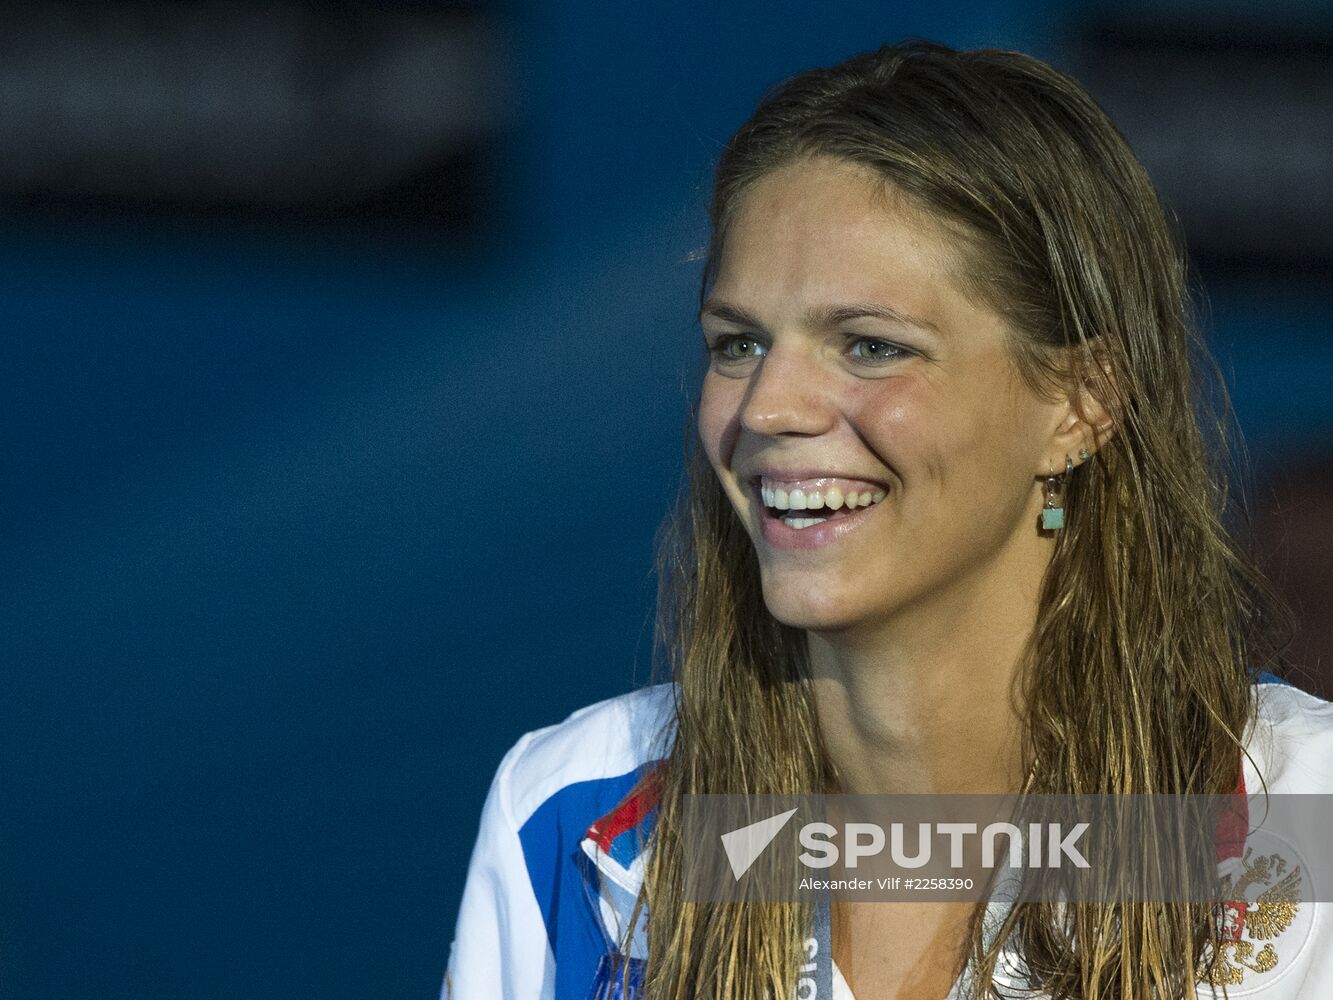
{"points": [[1245, 923]]}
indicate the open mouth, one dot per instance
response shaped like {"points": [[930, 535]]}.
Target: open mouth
{"points": [[807, 504]]}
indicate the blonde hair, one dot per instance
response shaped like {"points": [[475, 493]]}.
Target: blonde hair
{"points": [[1136, 678]]}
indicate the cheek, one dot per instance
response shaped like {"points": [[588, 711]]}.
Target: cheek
{"points": [[718, 407], [905, 423], [935, 437]]}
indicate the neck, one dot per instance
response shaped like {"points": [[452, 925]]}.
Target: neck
{"points": [[927, 702]]}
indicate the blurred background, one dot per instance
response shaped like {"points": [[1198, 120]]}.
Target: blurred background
{"points": [[346, 351]]}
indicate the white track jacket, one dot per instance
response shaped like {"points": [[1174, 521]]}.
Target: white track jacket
{"points": [[557, 863]]}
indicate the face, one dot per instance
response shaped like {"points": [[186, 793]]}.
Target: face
{"points": [[849, 375]]}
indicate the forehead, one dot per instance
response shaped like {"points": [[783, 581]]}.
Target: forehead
{"points": [[829, 229]]}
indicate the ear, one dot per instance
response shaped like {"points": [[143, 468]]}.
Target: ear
{"points": [[1088, 413]]}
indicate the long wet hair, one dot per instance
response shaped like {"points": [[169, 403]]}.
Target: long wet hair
{"points": [[1152, 615]]}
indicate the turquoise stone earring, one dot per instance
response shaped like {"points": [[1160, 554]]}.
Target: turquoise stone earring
{"points": [[1053, 514]]}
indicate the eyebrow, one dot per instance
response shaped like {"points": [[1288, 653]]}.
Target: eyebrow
{"points": [[821, 316]]}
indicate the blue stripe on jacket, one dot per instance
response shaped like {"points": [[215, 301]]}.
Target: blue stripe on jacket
{"points": [[565, 881]]}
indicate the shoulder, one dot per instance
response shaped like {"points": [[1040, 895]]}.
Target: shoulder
{"points": [[1290, 741], [593, 753], [525, 926], [1278, 933]]}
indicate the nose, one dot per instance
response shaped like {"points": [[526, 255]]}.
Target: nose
{"points": [[786, 396]]}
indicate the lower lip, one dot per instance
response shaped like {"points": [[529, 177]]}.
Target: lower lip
{"points": [[781, 536]]}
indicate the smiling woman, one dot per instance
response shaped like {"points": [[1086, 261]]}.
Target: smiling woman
{"points": [[955, 525]]}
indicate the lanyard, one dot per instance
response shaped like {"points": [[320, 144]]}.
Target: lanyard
{"points": [[816, 978]]}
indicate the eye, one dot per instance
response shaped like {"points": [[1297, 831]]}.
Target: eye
{"points": [[874, 350], [736, 347]]}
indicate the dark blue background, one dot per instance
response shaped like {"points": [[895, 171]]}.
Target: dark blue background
{"points": [[302, 532]]}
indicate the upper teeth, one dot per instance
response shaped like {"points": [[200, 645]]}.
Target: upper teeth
{"points": [[834, 497]]}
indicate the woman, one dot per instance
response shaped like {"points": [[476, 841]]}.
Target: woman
{"points": [[954, 527]]}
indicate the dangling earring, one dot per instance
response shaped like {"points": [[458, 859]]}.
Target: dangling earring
{"points": [[1053, 514]]}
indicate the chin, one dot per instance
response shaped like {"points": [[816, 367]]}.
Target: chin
{"points": [[809, 607]]}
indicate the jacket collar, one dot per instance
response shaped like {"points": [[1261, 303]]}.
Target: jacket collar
{"points": [[616, 847]]}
